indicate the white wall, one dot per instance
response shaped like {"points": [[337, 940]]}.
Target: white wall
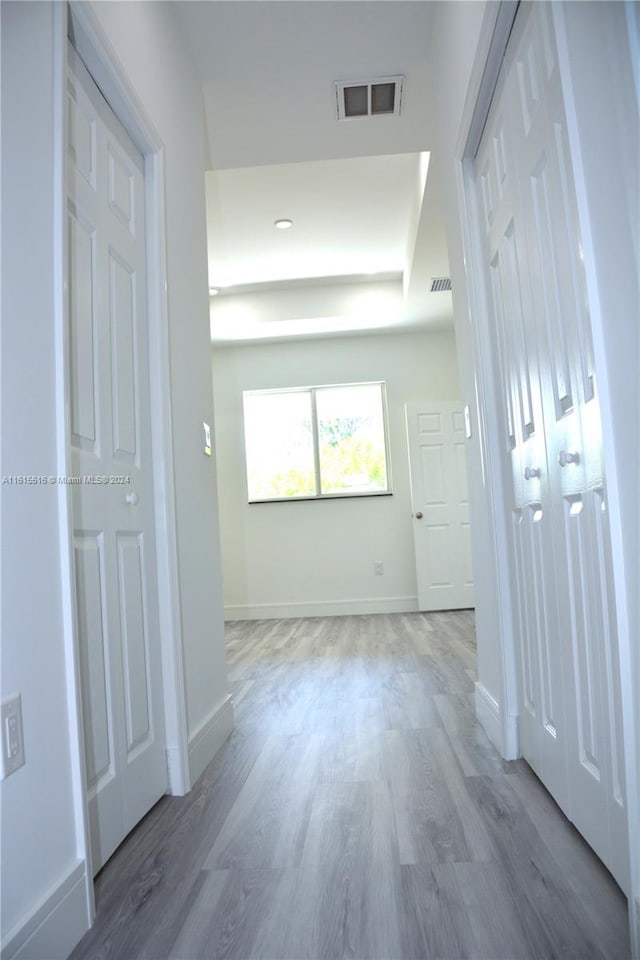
{"points": [[42, 838], [307, 308], [40, 849], [311, 558]]}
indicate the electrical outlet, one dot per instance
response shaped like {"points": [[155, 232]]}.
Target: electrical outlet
{"points": [[12, 739], [378, 568]]}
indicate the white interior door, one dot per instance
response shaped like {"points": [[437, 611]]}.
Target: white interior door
{"points": [[113, 515], [570, 710], [541, 724], [442, 540]]}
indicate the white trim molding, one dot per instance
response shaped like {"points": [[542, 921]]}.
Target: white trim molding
{"points": [[85, 906], [207, 739], [494, 35], [56, 925], [320, 608], [510, 736], [488, 715]]}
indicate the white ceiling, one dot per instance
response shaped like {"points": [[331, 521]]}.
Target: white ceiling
{"points": [[350, 217], [355, 189]]}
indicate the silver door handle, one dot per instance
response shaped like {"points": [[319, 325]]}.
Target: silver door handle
{"points": [[132, 499], [531, 472], [418, 515], [564, 458]]}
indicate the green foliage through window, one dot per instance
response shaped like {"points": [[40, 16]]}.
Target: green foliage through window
{"points": [[316, 442]]}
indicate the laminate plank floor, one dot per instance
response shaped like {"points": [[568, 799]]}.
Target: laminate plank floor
{"points": [[357, 811]]}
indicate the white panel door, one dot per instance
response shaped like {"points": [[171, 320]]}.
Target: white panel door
{"points": [[570, 720], [559, 317], [436, 442], [113, 502], [541, 725]]}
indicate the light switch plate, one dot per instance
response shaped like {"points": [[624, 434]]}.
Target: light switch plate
{"points": [[12, 739], [467, 421], [206, 429]]}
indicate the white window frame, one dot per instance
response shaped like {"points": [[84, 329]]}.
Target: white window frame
{"points": [[313, 389]]}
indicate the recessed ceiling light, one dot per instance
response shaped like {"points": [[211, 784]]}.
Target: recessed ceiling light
{"points": [[283, 224]]}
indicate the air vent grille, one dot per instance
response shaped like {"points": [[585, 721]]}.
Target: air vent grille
{"points": [[379, 97], [440, 284]]}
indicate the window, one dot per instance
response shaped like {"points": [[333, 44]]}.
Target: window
{"points": [[316, 442]]}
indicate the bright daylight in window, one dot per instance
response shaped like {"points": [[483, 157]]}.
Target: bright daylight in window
{"points": [[316, 442]]}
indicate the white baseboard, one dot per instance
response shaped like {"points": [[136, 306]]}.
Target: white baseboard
{"points": [[501, 730], [488, 715], [56, 925], [207, 739], [320, 608]]}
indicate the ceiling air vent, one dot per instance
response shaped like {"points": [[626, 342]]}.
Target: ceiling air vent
{"points": [[369, 98], [440, 284]]}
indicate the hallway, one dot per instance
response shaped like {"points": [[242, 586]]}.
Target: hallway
{"points": [[358, 810]]}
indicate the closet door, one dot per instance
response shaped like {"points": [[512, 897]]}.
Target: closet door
{"points": [[568, 628], [560, 320], [541, 723], [113, 514]]}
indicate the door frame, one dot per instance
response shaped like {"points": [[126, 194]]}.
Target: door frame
{"points": [[94, 49], [494, 35], [495, 31]]}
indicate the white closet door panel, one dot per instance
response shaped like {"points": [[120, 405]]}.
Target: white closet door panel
{"points": [[515, 336], [82, 321], [588, 761], [570, 721], [111, 427], [94, 660], [585, 627], [549, 279], [542, 728], [529, 726], [135, 639], [81, 135], [121, 187], [613, 748], [122, 278], [596, 762], [560, 320], [543, 650], [504, 357]]}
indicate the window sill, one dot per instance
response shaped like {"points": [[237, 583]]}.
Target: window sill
{"points": [[320, 497]]}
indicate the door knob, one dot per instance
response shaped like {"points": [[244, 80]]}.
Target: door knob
{"points": [[418, 515], [132, 498], [564, 458], [531, 472]]}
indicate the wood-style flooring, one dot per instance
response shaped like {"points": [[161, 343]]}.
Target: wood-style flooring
{"points": [[358, 810]]}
